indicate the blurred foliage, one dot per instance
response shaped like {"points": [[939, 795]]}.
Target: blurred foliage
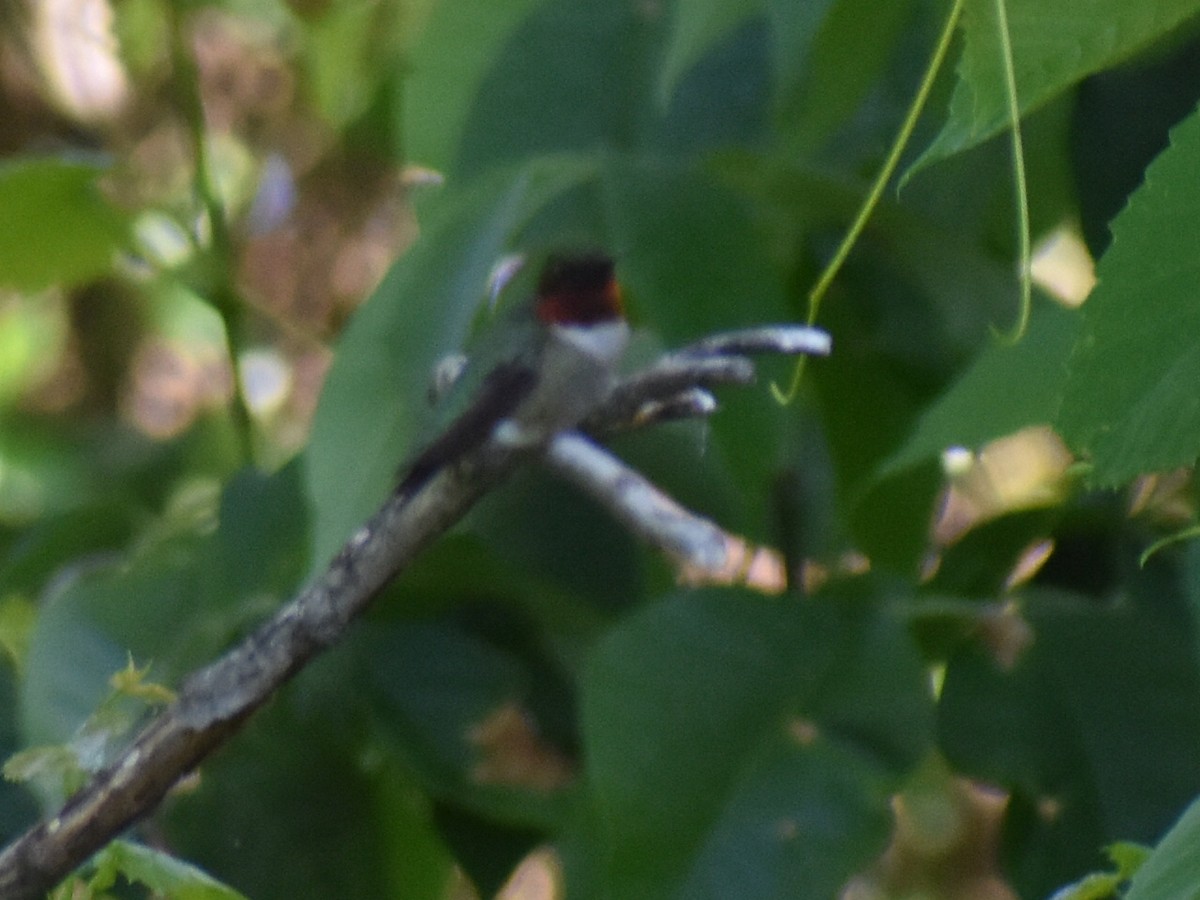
{"points": [[214, 213]]}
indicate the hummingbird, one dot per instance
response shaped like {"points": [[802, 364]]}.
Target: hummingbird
{"points": [[562, 364]]}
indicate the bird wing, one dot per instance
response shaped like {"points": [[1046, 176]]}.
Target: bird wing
{"points": [[501, 392]]}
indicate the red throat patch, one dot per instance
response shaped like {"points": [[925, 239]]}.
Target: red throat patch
{"points": [[579, 290]]}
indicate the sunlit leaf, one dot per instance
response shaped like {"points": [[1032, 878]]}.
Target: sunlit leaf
{"points": [[55, 226], [1172, 869], [159, 871]]}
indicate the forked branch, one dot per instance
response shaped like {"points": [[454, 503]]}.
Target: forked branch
{"points": [[216, 700]]}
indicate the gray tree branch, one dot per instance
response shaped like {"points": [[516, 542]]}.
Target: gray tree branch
{"points": [[215, 701]]}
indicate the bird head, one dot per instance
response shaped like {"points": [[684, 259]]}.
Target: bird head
{"points": [[578, 289]]}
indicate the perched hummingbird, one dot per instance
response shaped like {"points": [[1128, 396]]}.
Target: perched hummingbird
{"points": [[564, 367]]}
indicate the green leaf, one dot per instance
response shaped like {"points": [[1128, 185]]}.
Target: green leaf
{"points": [[1008, 387], [890, 520], [33, 336], [709, 110], [455, 50], [1130, 402], [142, 33], [173, 601], [259, 549], [56, 539], [160, 872], [739, 747], [573, 77], [304, 803], [1055, 44], [581, 77], [55, 226], [341, 70], [56, 698], [463, 712], [691, 254], [45, 474], [357, 58], [1127, 856], [813, 42], [1095, 886], [795, 27], [564, 537], [489, 853], [1067, 724], [981, 562], [17, 617], [1173, 868], [696, 26]]}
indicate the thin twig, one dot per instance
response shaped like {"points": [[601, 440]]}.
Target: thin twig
{"points": [[219, 255], [715, 361], [787, 340], [687, 538]]}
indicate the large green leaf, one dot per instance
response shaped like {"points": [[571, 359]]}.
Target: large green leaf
{"points": [[739, 747], [174, 601], [259, 549], [471, 714], [97, 622], [301, 805], [55, 226], [813, 41], [690, 251], [448, 62], [1068, 725], [795, 28], [1131, 403], [1007, 388], [574, 76], [582, 77], [695, 26], [1055, 43]]}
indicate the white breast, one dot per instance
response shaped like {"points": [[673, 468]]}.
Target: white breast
{"points": [[604, 343]]}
